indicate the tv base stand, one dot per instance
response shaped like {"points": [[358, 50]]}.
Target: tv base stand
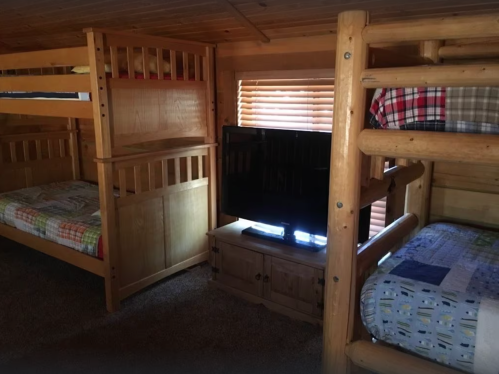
{"points": [[285, 279]]}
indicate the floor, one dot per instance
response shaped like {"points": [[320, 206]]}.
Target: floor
{"points": [[53, 320]]}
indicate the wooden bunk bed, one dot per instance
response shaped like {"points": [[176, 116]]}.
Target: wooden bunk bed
{"points": [[156, 203], [358, 155]]}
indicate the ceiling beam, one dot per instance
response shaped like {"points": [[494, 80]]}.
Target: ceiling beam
{"points": [[244, 21]]}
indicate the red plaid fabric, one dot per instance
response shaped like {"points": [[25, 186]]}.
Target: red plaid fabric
{"points": [[72, 231], [27, 215], [397, 107]]}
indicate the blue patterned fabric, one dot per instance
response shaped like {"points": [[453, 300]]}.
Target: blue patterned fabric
{"points": [[426, 297]]}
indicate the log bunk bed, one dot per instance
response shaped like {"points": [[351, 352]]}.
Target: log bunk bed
{"points": [[408, 301], [155, 203]]}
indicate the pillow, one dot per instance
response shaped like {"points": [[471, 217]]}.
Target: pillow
{"points": [[96, 214], [86, 69], [138, 65]]}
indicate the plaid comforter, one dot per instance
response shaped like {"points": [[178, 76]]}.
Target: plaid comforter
{"points": [[66, 213], [451, 109]]}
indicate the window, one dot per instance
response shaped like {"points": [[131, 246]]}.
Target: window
{"points": [[290, 103], [303, 104]]}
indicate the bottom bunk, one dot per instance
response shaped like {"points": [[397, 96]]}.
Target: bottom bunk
{"points": [[67, 213], [438, 297]]}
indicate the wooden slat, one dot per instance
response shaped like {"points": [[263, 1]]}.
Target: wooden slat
{"points": [[185, 65], [152, 42], [378, 246], [152, 176], [122, 178], [386, 360], [38, 145], [13, 154], [137, 176], [159, 63], [50, 146], [115, 69], [189, 168], [431, 146], [164, 168], [145, 63], [177, 170], [46, 83], [432, 76], [433, 29], [69, 255], [48, 58], [402, 162], [62, 148], [73, 148], [173, 65], [130, 62], [197, 67], [49, 108], [26, 151], [200, 167]]}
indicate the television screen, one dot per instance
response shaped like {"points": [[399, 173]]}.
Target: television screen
{"points": [[277, 177]]}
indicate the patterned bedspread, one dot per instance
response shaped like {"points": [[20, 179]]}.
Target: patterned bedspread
{"points": [[439, 297], [451, 109], [65, 213]]}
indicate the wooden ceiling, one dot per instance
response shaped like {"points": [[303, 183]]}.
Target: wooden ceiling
{"points": [[41, 24]]}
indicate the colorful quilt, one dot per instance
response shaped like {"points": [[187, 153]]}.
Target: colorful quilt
{"points": [[451, 109], [439, 297], [65, 213]]}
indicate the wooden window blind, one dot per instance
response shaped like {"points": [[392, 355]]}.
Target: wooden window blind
{"points": [[299, 104], [302, 104]]}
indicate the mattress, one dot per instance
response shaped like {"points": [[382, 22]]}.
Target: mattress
{"points": [[439, 297], [82, 96], [66, 213], [449, 109]]}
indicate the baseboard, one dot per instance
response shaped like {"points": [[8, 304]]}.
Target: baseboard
{"points": [[293, 314], [139, 285]]}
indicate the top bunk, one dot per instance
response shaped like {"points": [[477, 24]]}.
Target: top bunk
{"points": [[449, 111], [136, 88]]}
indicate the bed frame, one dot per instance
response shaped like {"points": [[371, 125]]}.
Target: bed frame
{"points": [[358, 154], [156, 224]]}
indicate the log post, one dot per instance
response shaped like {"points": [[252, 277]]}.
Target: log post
{"points": [[419, 192], [344, 196]]}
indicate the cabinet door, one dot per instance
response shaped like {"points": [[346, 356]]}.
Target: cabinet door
{"points": [[240, 268], [293, 285]]}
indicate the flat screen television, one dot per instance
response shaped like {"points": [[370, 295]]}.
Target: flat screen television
{"points": [[280, 178]]}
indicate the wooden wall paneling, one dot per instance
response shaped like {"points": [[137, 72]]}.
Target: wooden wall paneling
{"points": [[340, 274], [467, 207], [73, 148], [209, 78]]}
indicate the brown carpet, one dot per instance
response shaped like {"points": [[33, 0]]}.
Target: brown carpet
{"points": [[53, 320]]}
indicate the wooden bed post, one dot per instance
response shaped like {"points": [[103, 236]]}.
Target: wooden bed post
{"points": [[344, 197], [73, 148], [102, 125], [419, 192]]}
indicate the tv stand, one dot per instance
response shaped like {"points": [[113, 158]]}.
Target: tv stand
{"points": [[285, 279], [288, 238]]}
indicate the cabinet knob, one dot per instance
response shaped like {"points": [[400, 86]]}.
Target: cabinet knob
{"points": [[258, 276], [266, 279]]}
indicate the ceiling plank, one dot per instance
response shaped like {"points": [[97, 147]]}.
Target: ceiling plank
{"points": [[244, 21]]}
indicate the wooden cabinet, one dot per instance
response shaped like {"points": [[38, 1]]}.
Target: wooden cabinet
{"points": [[293, 285], [239, 267], [285, 279]]}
